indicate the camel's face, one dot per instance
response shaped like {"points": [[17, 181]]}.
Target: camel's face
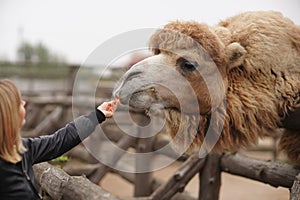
{"points": [[180, 79], [186, 81]]}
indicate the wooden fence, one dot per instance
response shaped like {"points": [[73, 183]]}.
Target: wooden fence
{"points": [[47, 113], [146, 187]]}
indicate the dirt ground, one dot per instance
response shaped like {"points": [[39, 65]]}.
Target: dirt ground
{"points": [[232, 188]]}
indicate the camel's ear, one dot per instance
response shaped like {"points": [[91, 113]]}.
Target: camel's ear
{"points": [[235, 55]]}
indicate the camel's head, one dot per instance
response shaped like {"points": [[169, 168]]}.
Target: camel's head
{"points": [[185, 77]]}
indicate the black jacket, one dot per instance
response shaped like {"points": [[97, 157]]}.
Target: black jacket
{"points": [[17, 180]]}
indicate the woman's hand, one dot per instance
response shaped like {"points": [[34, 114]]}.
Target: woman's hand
{"points": [[108, 108]]}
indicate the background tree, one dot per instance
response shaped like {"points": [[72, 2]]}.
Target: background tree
{"points": [[39, 52], [42, 53], [25, 52]]}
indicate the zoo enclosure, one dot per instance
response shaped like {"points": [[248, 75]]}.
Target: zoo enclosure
{"points": [[54, 110]]}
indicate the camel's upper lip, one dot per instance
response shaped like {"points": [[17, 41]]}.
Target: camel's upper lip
{"points": [[125, 96]]}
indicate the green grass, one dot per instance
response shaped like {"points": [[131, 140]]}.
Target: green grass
{"points": [[61, 159]]}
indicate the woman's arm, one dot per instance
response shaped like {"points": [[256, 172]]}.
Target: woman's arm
{"points": [[45, 148]]}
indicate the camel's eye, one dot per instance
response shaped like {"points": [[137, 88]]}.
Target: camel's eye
{"points": [[187, 65]]}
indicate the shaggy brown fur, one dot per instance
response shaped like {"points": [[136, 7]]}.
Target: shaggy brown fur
{"points": [[263, 88], [258, 56]]}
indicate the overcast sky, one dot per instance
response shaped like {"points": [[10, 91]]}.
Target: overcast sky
{"points": [[74, 29]]}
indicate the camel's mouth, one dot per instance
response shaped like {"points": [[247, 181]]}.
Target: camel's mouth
{"points": [[148, 101]]}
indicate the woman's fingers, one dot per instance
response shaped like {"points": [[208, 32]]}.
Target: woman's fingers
{"points": [[108, 108]]}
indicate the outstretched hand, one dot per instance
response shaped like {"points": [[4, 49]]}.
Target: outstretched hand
{"points": [[108, 108]]}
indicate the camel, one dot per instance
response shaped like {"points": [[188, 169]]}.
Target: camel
{"points": [[221, 87]]}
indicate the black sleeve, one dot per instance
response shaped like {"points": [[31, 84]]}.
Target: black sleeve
{"points": [[292, 120], [45, 148]]}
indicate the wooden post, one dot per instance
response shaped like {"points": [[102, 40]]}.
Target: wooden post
{"points": [[275, 147], [33, 113], [210, 178], [143, 181], [295, 191], [71, 79], [50, 124]]}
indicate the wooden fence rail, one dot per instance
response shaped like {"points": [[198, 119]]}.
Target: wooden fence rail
{"points": [[210, 178], [60, 185]]}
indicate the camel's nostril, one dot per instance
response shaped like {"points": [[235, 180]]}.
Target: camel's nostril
{"points": [[133, 75]]}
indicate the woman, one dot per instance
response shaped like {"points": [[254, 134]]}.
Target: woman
{"points": [[17, 155]]}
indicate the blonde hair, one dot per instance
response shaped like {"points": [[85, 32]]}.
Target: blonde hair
{"points": [[11, 146]]}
